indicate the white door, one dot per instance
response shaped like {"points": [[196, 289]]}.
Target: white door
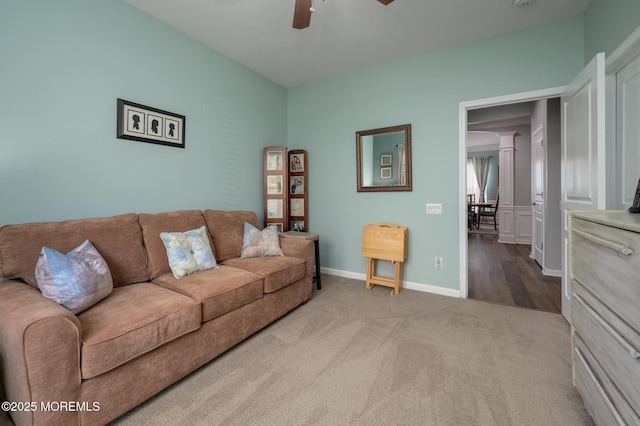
{"points": [[582, 154], [537, 192], [628, 131]]}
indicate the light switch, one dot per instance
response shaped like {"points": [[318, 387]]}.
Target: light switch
{"points": [[434, 208]]}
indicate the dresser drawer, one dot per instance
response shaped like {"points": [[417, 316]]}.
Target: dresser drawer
{"points": [[606, 261], [619, 360], [600, 396], [629, 334]]}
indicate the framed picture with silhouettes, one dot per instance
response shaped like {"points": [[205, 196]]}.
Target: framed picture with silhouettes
{"points": [[141, 123]]}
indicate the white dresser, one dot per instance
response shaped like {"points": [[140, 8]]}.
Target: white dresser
{"points": [[605, 313]]}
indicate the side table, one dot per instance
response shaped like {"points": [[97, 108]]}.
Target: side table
{"points": [[316, 242]]}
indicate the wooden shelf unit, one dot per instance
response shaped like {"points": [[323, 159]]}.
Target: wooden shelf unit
{"points": [[276, 192], [298, 190], [285, 189]]}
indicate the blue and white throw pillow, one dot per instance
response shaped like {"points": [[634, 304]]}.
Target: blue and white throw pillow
{"points": [[77, 280], [189, 251], [256, 243]]}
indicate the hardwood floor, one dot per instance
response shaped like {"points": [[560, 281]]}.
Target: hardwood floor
{"points": [[505, 274]]}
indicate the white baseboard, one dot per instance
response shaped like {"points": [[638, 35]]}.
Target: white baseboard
{"points": [[341, 273], [552, 272], [546, 271], [426, 288]]}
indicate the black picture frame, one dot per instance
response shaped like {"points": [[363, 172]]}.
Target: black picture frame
{"points": [[141, 123]]}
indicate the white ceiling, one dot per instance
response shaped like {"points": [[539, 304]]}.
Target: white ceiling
{"points": [[345, 35]]}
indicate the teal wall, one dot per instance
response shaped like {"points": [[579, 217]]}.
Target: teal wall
{"points": [[607, 23], [64, 64], [425, 91]]}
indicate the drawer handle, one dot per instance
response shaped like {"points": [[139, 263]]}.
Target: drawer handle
{"points": [[621, 340], [601, 241]]}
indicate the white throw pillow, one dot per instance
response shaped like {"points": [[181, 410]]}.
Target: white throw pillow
{"points": [[77, 280], [189, 251], [256, 243]]}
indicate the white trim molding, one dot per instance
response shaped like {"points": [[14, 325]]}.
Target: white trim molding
{"points": [[515, 225], [425, 288], [624, 53], [462, 164], [523, 224], [552, 272], [622, 56]]}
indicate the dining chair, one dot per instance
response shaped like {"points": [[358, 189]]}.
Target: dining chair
{"points": [[472, 216], [490, 212]]}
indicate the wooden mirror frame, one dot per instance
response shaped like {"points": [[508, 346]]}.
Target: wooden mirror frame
{"points": [[408, 186]]}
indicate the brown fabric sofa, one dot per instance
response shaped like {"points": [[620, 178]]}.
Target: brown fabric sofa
{"points": [[151, 331]]}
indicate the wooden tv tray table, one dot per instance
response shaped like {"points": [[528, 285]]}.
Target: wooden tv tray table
{"points": [[384, 241]]}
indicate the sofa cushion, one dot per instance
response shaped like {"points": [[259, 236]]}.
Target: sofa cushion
{"points": [[76, 280], [227, 230], [257, 243], [278, 271], [188, 252], [220, 290], [153, 224], [117, 238], [132, 321]]}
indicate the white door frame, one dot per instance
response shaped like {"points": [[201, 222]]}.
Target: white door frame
{"points": [[583, 156], [462, 166], [626, 52], [539, 159], [623, 54]]}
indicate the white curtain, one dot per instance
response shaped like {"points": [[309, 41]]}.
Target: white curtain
{"points": [[472, 182], [481, 168], [402, 165]]}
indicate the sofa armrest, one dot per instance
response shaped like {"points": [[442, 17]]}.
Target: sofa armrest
{"points": [[302, 249], [39, 353]]}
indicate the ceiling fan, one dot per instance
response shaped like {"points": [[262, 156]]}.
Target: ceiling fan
{"points": [[303, 10]]}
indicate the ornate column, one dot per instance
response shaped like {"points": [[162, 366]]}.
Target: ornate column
{"points": [[506, 217]]}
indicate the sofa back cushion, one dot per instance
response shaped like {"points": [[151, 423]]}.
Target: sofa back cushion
{"points": [[117, 238], [227, 230], [153, 224]]}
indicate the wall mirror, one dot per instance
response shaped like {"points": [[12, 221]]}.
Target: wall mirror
{"points": [[383, 159]]}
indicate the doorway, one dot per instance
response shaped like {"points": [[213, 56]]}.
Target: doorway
{"points": [[506, 274], [465, 109]]}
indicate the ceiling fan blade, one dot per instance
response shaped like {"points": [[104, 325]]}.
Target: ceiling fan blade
{"points": [[302, 14], [385, 2]]}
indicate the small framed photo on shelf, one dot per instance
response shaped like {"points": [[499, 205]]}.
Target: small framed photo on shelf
{"points": [[277, 226], [297, 207], [274, 160], [385, 159], [145, 124], [297, 225], [296, 162], [274, 209], [274, 184], [385, 173], [297, 184]]}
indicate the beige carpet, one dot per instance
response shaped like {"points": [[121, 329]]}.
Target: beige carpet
{"points": [[354, 357]]}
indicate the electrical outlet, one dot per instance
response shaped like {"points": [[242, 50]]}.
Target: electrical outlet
{"points": [[435, 208], [438, 262]]}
